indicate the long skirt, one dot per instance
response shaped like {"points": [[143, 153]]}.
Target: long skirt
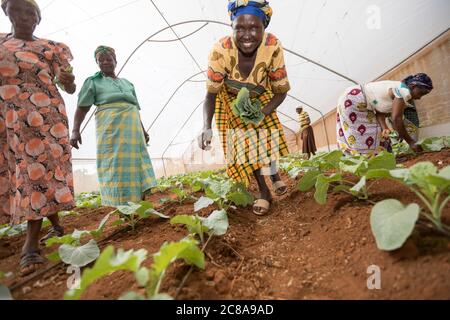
{"points": [[358, 131], [124, 167], [309, 143], [248, 148]]}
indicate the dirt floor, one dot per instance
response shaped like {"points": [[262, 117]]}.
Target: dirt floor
{"points": [[301, 250]]}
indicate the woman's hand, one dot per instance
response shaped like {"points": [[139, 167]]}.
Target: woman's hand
{"points": [[67, 79], [266, 110], [75, 139], [204, 139]]}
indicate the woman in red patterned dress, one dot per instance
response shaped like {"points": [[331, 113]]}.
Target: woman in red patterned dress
{"points": [[35, 160]]}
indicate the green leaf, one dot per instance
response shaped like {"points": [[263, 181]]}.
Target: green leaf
{"points": [[360, 186], [322, 185], [106, 264], [333, 158], [67, 239], [186, 249], [101, 226], [193, 223], [434, 144], [142, 276], [377, 174], [202, 203], [401, 174], [341, 187], [392, 223], [79, 256], [419, 173], [294, 172], [240, 198], [181, 194], [129, 210], [355, 165], [440, 180], [217, 222], [384, 160], [309, 180], [5, 294], [153, 212], [54, 257], [220, 188], [46, 223]]}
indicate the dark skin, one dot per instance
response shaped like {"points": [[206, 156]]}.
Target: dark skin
{"points": [[107, 64], [398, 109], [24, 19], [248, 33]]}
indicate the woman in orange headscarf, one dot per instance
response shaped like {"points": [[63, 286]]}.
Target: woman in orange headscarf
{"points": [[35, 159]]}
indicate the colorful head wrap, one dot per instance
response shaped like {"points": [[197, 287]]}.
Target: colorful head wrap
{"points": [[259, 8], [420, 80], [32, 2], [105, 49]]}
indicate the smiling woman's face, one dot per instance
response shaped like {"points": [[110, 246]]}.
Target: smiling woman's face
{"points": [[24, 18], [248, 32]]}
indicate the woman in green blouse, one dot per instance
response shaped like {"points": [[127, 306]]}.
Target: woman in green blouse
{"points": [[124, 167]]}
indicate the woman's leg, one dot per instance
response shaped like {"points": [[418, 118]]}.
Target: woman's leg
{"points": [[56, 229], [275, 177], [30, 250], [263, 190]]}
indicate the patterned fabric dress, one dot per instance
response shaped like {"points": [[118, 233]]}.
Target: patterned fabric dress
{"points": [[35, 159], [307, 134], [124, 167], [248, 148], [358, 131]]}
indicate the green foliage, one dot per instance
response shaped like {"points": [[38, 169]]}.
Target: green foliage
{"points": [[225, 193], [106, 264], [88, 200], [246, 110], [186, 249], [215, 224], [392, 223], [79, 256], [434, 144], [360, 167], [131, 213], [430, 185]]}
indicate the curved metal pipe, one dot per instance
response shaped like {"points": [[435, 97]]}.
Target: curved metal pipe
{"points": [[179, 131], [321, 115], [171, 97]]}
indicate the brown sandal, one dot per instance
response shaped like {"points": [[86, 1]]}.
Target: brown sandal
{"points": [[261, 204], [52, 232], [30, 259], [278, 186]]}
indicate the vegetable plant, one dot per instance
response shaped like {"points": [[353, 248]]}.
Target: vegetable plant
{"points": [[392, 223]]}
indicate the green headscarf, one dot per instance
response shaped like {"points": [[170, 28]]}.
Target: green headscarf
{"points": [[104, 49]]}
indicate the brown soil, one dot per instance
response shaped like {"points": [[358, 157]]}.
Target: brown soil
{"points": [[300, 251]]}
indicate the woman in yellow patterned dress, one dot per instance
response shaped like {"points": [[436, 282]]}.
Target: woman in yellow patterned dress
{"points": [[35, 159], [253, 59]]}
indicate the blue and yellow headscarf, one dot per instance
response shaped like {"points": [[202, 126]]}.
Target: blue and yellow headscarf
{"points": [[259, 8], [32, 2]]}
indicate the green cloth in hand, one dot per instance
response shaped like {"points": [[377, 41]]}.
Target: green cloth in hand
{"points": [[248, 111]]}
